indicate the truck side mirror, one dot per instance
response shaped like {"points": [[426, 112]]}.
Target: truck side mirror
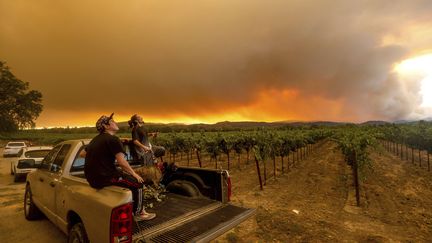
{"points": [[55, 168]]}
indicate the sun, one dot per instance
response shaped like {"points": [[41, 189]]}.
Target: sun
{"points": [[420, 68]]}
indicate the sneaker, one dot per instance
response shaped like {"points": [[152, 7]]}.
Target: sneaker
{"points": [[145, 216]]}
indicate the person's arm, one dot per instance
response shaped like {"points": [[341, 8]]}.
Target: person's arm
{"points": [[126, 167], [137, 143], [153, 134], [135, 135]]}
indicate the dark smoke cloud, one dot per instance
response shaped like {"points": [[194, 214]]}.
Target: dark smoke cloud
{"points": [[193, 57]]}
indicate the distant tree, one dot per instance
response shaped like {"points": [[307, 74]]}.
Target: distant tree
{"points": [[19, 107]]}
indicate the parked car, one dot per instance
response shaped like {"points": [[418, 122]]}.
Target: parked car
{"points": [[29, 159], [13, 148]]}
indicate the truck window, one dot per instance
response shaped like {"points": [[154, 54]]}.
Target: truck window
{"points": [[37, 153], [16, 144], [48, 160], [78, 163], [128, 155], [61, 155]]}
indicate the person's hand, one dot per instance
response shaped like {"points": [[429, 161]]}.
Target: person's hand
{"points": [[83, 153], [138, 178]]}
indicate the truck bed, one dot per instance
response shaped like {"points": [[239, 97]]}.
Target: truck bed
{"points": [[173, 206], [185, 219]]}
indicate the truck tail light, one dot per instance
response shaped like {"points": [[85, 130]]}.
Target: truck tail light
{"points": [[121, 224]]}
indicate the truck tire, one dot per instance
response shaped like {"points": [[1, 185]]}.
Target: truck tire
{"points": [[185, 188], [78, 234], [31, 212]]}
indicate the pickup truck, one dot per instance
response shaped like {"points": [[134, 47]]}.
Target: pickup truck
{"points": [[196, 206]]}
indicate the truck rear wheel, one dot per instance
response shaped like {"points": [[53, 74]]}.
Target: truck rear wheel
{"points": [[31, 211], [78, 234], [185, 188]]}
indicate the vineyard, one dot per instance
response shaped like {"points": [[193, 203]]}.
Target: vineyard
{"points": [[318, 184], [303, 180], [284, 149]]}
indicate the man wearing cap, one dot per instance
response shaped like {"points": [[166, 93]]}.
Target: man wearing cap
{"points": [[100, 170]]}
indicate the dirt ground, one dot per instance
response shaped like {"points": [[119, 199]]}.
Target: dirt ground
{"points": [[314, 202]]}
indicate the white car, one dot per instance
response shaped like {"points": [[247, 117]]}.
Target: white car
{"points": [[13, 148], [28, 160]]}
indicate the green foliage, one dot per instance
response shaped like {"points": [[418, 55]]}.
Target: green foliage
{"points": [[19, 107], [211, 147], [266, 143], [239, 143], [416, 135], [225, 142], [263, 147], [354, 144]]}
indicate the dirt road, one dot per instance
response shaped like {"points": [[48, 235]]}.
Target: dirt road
{"points": [[13, 226]]}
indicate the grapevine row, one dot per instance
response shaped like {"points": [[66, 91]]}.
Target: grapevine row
{"points": [[262, 145]]}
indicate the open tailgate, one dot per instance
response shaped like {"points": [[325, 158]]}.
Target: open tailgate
{"points": [[204, 222]]}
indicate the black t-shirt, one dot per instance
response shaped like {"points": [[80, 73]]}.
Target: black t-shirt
{"points": [[99, 165], [140, 134]]}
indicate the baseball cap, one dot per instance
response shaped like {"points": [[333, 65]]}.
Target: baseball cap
{"points": [[103, 120]]}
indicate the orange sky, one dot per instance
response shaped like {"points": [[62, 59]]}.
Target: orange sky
{"points": [[209, 61], [269, 105]]}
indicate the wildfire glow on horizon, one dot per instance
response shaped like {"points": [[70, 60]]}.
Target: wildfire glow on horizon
{"points": [[213, 61], [270, 105], [419, 68]]}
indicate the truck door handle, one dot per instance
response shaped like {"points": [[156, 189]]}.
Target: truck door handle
{"points": [[41, 180], [52, 184]]}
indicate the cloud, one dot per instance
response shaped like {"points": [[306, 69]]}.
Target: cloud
{"points": [[194, 58]]}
